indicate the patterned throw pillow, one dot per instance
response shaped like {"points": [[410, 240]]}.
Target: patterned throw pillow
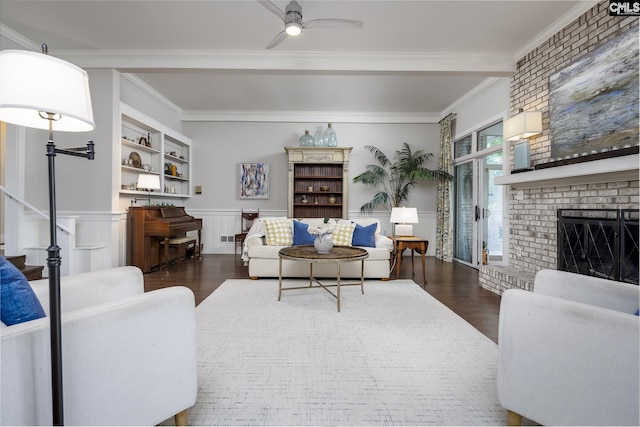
{"points": [[278, 232], [343, 234]]}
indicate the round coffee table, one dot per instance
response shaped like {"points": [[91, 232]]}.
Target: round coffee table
{"points": [[338, 255]]}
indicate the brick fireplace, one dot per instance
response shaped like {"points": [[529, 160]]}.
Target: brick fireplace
{"points": [[534, 200], [534, 197]]}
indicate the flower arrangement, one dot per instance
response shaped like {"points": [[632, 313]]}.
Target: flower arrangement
{"points": [[319, 228]]}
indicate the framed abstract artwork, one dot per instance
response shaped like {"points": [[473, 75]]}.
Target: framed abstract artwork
{"points": [[594, 101], [254, 180]]}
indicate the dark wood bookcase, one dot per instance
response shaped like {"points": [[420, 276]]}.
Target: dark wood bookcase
{"points": [[318, 182]]}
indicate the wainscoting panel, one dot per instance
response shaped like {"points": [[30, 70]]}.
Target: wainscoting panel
{"points": [[220, 225]]}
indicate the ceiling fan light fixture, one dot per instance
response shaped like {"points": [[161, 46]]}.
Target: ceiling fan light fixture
{"points": [[293, 28]]}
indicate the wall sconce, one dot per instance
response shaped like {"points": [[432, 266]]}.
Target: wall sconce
{"points": [[149, 182], [520, 127], [403, 218]]}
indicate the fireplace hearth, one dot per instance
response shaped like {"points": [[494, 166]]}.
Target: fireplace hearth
{"points": [[599, 242]]}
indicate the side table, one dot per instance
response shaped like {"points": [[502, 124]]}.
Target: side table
{"points": [[415, 244]]}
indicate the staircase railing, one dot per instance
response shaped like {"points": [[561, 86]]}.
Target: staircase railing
{"points": [[33, 208]]}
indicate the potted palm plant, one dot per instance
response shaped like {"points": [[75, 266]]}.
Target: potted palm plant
{"points": [[396, 177]]}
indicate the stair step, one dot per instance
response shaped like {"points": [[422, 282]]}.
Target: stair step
{"points": [[31, 272], [17, 260]]}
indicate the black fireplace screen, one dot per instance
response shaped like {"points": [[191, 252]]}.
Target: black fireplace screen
{"points": [[599, 242]]}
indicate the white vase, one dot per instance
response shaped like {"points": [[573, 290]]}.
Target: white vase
{"points": [[323, 243]]}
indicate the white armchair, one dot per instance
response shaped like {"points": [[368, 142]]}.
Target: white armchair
{"points": [[129, 357], [569, 351]]}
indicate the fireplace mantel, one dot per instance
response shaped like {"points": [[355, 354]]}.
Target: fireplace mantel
{"points": [[624, 168]]}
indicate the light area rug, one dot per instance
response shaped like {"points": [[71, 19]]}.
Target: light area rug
{"points": [[393, 356]]}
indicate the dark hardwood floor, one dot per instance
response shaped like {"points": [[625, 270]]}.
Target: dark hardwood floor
{"points": [[453, 284]]}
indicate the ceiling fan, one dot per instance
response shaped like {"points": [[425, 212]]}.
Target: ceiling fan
{"points": [[293, 24]]}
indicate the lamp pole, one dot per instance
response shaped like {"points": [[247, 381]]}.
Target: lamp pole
{"points": [[54, 262]]}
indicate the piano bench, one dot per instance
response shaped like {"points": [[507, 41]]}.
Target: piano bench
{"points": [[181, 244]]}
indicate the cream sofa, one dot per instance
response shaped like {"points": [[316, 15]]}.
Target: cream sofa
{"points": [[263, 260], [568, 351], [129, 357]]}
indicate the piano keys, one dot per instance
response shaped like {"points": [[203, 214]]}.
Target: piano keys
{"points": [[148, 226]]}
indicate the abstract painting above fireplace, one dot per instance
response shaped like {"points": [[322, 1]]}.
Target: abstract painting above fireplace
{"points": [[594, 101]]}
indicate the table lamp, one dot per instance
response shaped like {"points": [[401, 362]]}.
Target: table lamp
{"points": [[402, 218], [149, 182], [43, 92]]}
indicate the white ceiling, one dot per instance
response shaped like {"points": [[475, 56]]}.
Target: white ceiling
{"points": [[207, 58]]}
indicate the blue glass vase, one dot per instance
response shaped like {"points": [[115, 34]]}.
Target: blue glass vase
{"points": [[330, 138], [318, 137], [306, 140]]}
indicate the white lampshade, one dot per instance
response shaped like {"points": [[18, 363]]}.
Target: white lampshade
{"points": [[402, 218], [523, 125], [32, 82], [148, 182], [404, 215]]}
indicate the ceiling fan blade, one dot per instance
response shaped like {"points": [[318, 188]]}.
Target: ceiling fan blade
{"points": [[272, 8], [332, 23], [277, 40]]}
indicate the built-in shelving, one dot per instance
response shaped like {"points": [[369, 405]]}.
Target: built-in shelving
{"points": [[148, 146]]}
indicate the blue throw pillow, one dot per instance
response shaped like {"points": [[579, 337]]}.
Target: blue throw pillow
{"points": [[364, 236], [301, 235], [18, 302]]}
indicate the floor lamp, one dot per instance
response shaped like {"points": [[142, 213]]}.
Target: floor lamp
{"points": [[43, 92]]}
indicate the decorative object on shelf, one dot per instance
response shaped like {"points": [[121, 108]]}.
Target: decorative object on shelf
{"points": [[43, 92], [310, 189], [136, 161], [142, 140], [318, 137], [330, 139], [167, 168], [147, 182], [306, 140], [304, 199], [174, 170], [402, 218], [254, 180], [322, 230], [397, 177], [148, 144], [315, 200], [324, 188], [332, 199]]}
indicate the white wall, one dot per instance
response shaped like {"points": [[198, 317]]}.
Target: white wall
{"points": [[219, 147], [483, 106]]}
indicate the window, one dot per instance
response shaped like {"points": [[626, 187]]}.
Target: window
{"points": [[462, 147]]}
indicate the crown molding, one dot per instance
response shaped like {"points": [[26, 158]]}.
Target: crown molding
{"points": [[562, 22], [152, 92], [310, 117], [19, 39]]}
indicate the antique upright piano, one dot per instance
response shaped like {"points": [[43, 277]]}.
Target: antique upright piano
{"points": [[148, 226]]}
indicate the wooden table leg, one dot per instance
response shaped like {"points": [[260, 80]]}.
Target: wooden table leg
{"points": [[423, 252], [399, 251]]}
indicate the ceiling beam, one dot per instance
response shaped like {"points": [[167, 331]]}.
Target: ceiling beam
{"points": [[409, 62]]}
